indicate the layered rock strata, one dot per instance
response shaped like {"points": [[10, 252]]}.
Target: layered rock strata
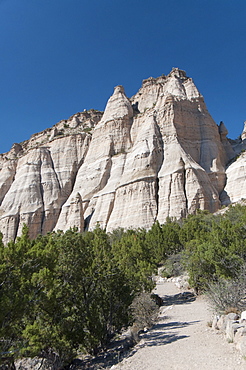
{"points": [[235, 189], [156, 155], [36, 180]]}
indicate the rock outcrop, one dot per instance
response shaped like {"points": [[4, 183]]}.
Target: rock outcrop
{"points": [[36, 180], [157, 155], [233, 327], [235, 189]]}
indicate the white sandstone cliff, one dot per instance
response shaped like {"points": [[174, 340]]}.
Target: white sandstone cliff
{"points": [[156, 155]]}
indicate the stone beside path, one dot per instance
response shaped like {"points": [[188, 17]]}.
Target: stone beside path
{"points": [[182, 339]]}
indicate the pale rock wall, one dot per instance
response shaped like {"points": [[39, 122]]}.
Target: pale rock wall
{"points": [[135, 205], [172, 163], [111, 137], [243, 135], [156, 155], [41, 182], [7, 174], [235, 188], [136, 195]]}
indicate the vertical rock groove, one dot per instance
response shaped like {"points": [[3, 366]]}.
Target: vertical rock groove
{"points": [[155, 155]]}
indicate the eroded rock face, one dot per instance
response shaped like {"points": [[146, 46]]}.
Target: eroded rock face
{"points": [[243, 135], [35, 185], [156, 155], [235, 188]]}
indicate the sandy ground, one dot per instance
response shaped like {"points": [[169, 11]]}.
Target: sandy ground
{"points": [[181, 339]]}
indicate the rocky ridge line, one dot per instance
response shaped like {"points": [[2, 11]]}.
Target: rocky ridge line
{"points": [[159, 154]]}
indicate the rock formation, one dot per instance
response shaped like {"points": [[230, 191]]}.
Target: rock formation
{"points": [[235, 189], [36, 180], [157, 155]]}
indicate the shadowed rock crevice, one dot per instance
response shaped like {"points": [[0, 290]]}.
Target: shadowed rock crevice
{"points": [[157, 197]]}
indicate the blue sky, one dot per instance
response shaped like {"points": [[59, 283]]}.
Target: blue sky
{"points": [[58, 57]]}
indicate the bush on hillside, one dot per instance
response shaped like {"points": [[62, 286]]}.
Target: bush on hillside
{"points": [[144, 311], [215, 247], [228, 295], [68, 292], [173, 266]]}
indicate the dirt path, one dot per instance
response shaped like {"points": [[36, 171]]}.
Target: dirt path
{"points": [[182, 340]]}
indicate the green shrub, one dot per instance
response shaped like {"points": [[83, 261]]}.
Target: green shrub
{"points": [[144, 311], [87, 130], [173, 266], [228, 295]]}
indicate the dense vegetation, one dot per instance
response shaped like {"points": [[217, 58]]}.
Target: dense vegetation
{"points": [[70, 292]]}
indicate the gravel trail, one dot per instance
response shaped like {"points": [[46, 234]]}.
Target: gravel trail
{"points": [[182, 340]]}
